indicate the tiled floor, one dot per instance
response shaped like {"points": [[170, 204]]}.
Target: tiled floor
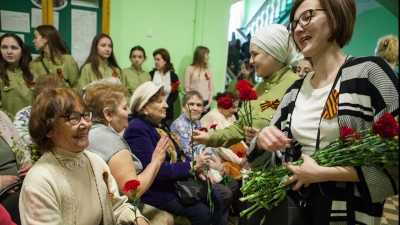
{"points": [[391, 211]]}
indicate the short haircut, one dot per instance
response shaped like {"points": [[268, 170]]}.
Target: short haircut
{"points": [[104, 95], [47, 110], [138, 48], [48, 81], [388, 48], [342, 15], [188, 95]]}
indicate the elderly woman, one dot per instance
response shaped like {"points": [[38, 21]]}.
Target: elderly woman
{"points": [[110, 117], [142, 134], [69, 185]]}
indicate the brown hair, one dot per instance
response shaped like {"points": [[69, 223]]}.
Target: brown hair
{"points": [[46, 110], [94, 59], [342, 14], [388, 48], [48, 81], [104, 95], [198, 57], [54, 40], [252, 75], [166, 57], [24, 61]]}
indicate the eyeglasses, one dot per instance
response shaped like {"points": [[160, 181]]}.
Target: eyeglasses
{"points": [[304, 20], [75, 117]]}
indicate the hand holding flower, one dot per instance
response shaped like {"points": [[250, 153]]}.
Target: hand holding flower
{"points": [[272, 139], [250, 133], [200, 137]]}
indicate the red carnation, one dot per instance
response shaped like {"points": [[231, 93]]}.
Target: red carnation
{"points": [[345, 131], [115, 74], [203, 129], [131, 185], [59, 73], [240, 154], [247, 95], [214, 126], [175, 86], [386, 126], [242, 85], [225, 102]]}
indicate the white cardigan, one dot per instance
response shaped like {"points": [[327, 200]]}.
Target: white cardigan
{"points": [[48, 198]]}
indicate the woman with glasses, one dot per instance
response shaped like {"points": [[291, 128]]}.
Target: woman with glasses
{"points": [[363, 88], [68, 185]]}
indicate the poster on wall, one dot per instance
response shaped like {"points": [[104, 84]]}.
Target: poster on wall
{"points": [[86, 3], [36, 18], [83, 30], [57, 4], [14, 21]]}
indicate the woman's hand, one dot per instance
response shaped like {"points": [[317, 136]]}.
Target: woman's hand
{"points": [[7, 180], [250, 133], [272, 139], [212, 179], [205, 108], [160, 150], [200, 137], [24, 170], [305, 174], [202, 160], [245, 164], [141, 221]]}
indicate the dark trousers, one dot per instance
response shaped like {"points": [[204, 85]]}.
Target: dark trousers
{"points": [[198, 213], [227, 194]]}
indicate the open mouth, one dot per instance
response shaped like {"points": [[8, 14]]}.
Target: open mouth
{"points": [[304, 39]]}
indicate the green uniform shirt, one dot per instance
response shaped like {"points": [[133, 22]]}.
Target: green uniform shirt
{"points": [[68, 66], [232, 85], [269, 90], [17, 95], [132, 78], [88, 76]]}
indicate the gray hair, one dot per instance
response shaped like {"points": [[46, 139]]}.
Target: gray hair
{"points": [[188, 95]]}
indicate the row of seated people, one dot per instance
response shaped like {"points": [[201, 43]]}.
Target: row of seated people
{"points": [[19, 72], [141, 104], [66, 119]]}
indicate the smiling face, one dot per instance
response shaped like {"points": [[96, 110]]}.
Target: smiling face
{"points": [[264, 64], [119, 119], [137, 59], [74, 138], [304, 67], [156, 108], [104, 48], [39, 42], [159, 62], [196, 107], [10, 51], [312, 38]]}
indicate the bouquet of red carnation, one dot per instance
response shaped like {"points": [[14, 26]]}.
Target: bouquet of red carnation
{"points": [[376, 145], [246, 94]]}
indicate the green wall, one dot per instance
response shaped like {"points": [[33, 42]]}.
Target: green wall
{"points": [[178, 26], [370, 26], [251, 8]]}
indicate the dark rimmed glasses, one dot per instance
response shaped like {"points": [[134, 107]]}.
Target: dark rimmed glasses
{"points": [[304, 20], [75, 117]]}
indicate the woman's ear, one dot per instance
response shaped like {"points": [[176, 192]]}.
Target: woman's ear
{"points": [[50, 133], [107, 114]]}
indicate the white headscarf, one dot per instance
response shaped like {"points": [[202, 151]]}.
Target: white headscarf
{"points": [[274, 39]]}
